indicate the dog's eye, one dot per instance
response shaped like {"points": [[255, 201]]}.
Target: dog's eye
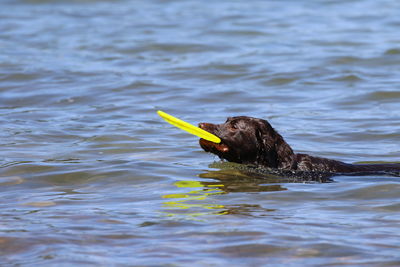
{"points": [[233, 125]]}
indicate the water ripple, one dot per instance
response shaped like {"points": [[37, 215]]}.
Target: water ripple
{"points": [[89, 174]]}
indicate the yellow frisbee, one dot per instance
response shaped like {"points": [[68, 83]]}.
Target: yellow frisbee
{"points": [[189, 127]]}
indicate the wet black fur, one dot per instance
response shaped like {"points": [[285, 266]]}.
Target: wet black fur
{"points": [[254, 141]]}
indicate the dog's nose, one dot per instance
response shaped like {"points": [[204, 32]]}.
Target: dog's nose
{"points": [[201, 125]]}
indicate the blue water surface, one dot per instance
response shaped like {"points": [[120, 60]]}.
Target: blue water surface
{"points": [[91, 176]]}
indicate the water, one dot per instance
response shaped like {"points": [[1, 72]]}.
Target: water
{"points": [[91, 176]]}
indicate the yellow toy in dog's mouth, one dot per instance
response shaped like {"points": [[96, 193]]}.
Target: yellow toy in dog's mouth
{"points": [[189, 127]]}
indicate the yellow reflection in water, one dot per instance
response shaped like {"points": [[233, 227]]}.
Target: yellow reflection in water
{"points": [[197, 198], [198, 192]]}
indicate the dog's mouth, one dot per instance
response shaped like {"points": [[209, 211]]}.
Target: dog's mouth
{"points": [[214, 148], [208, 146]]}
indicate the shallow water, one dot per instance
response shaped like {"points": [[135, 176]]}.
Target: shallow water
{"points": [[90, 175]]}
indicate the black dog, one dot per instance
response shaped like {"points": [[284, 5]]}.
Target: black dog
{"points": [[253, 141]]}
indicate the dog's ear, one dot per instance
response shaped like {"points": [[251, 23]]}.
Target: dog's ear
{"points": [[273, 151]]}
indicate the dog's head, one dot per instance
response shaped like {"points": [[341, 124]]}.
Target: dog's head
{"points": [[247, 140]]}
